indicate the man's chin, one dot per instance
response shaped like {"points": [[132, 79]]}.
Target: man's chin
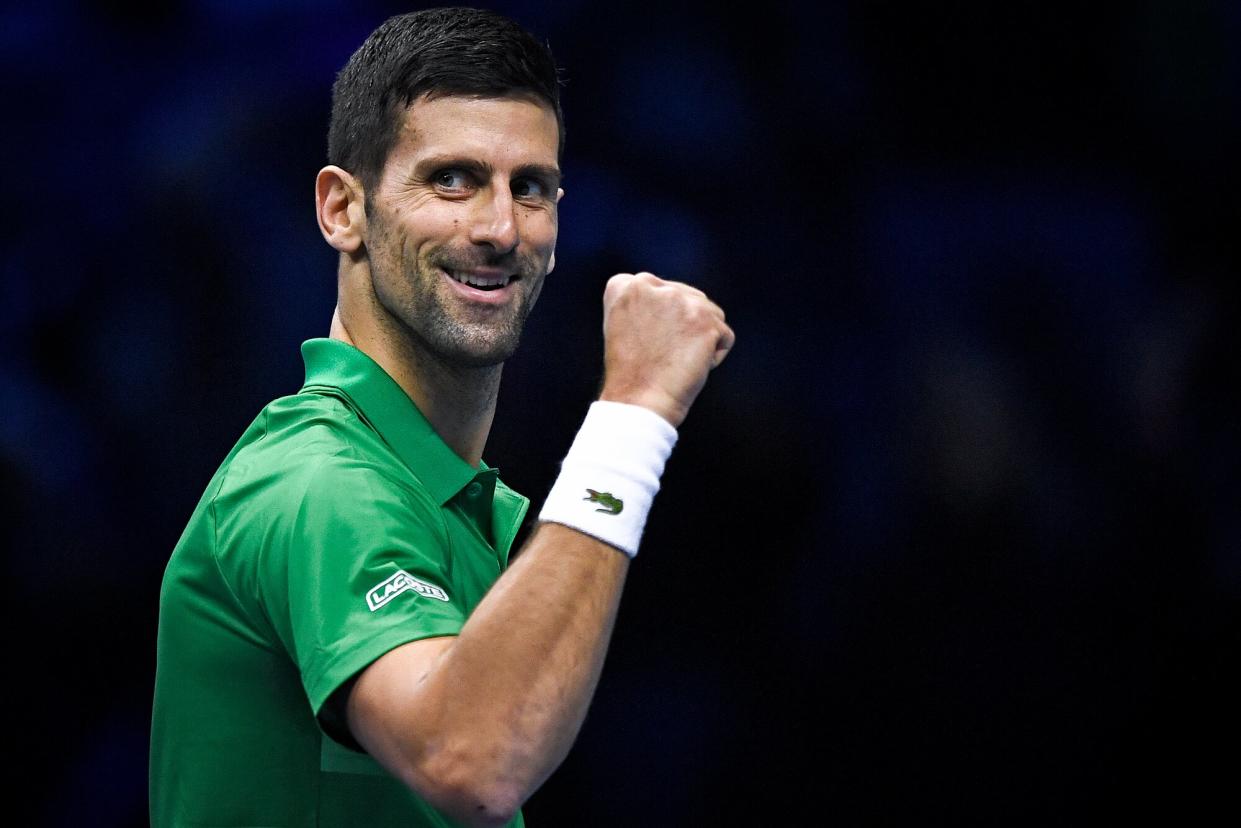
{"points": [[473, 362], [478, 355]]}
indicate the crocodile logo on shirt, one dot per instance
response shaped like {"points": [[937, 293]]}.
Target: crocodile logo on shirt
{"points": [[401, 582], [612, 505]]}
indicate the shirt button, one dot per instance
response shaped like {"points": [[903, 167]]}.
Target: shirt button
{"points": [[474, 489]]}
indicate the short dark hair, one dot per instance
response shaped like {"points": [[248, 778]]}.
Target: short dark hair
{"points": [[436, 52]]}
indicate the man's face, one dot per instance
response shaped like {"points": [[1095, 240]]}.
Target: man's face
{"points": [[462, 224]]}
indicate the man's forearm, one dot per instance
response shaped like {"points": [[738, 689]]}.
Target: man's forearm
{"points": [[520, 676]]}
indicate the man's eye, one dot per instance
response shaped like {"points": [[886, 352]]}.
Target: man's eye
{"points": [[529, 188], [451, 179]]}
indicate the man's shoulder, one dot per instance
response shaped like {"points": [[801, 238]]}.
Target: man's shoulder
{"points": [[307, 460], [301, 427], [309, 442]]}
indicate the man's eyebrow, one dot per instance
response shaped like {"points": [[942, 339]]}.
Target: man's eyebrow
{"points": [[442, 162], [546, 172], [482, 169]]}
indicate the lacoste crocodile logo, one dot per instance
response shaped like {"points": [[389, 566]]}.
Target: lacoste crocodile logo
{"points": [[612, 505]]}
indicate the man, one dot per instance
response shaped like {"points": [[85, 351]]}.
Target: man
{"points": [[340, 640]]}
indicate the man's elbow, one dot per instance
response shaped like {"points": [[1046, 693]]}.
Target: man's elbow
{"points": [[469, 791]]}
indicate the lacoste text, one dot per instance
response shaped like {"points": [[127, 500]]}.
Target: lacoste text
{"points": [[402, 581]]}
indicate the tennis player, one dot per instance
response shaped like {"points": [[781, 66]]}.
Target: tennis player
{"points": [[342, 640]]}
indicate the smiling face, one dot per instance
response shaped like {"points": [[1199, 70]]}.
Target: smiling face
{"points": [[461, 226]]}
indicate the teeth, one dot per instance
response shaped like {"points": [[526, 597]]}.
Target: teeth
{"points": [[479, 281]]}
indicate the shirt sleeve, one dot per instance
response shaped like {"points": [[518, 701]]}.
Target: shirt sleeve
{"points": [[367, 568]]}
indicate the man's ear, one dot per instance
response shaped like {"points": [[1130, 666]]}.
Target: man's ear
{"points": [[340, 209]]}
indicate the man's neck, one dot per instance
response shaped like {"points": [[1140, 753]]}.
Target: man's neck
{"points": [[459, 403]]}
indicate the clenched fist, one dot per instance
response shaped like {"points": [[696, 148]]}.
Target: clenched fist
{"points": [[660, 341]]}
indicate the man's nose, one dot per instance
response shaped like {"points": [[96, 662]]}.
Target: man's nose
{"points": [[494, 221]]}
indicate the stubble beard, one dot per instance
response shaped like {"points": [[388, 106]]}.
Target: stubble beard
{"points": [[441, 325]]}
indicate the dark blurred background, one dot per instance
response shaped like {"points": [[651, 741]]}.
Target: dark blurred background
{"points": [[952, 536]]}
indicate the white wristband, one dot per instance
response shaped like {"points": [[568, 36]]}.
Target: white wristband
{"points": [[611, 474]]}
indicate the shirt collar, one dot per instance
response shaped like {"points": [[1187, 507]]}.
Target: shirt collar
{"points": [[332, 364]]}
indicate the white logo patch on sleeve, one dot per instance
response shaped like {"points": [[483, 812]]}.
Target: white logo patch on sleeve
{"points": [[402, 581]]}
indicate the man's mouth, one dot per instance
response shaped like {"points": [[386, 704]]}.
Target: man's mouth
{"points": [[482, 281]]}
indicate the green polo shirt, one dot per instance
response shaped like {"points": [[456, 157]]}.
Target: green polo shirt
{"points": [[339, 527]]}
